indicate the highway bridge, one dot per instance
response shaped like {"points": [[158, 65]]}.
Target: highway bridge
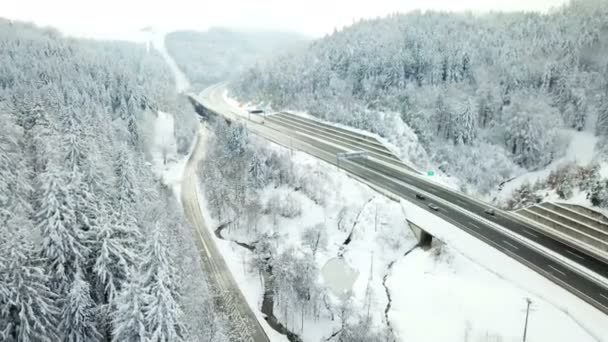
{"points": [[568, 265]]}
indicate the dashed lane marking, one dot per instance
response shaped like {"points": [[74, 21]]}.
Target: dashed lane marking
{"points": [[530, 233], [575, 254], [557, 270], [510, 244]]}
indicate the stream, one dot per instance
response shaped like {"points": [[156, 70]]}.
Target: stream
{"points": [[268, 300], [388, 293]]}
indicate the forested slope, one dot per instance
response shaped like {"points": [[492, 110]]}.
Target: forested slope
{"points": [[220, 54], [489, 96], [87, 232]]}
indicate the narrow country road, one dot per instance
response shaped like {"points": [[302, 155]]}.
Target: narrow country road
{"points": [[244, 324]]}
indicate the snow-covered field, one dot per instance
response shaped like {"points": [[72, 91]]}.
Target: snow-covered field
{"points": [[470, 292]]}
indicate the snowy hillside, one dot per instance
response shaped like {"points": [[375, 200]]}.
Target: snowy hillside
{"points": [[219, 54], [488, 96], [579, 177], [88, 234]]}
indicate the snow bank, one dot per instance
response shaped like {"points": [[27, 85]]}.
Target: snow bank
{"points": [[166, 163]]}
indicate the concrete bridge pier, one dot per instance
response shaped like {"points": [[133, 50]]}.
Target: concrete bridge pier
{"points": [[424, 238]]}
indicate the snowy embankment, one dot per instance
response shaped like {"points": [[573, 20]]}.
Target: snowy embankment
{"points": [[463, 291], [167, 164], [581, 152]]}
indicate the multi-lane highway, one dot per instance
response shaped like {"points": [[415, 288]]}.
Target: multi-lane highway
{"points": [[382, 170]]}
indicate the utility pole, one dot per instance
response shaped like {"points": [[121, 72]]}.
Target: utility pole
{"points": [[528, 301]]}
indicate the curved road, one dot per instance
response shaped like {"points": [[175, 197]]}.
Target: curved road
{"points": [[229, 298]]}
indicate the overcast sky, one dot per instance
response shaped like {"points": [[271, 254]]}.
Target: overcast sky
{"points": [[312, 17]]}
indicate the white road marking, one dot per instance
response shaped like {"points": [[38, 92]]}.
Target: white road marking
{"points": [[474, 225], [555, 269], [530, 233], [603, 295], [510, 244], [576, 255], [461, 202]]}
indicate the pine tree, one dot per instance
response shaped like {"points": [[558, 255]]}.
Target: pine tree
{"points": [[13, 186], [28, 307], [61, 241], [115, 252], [128, 321], [78, 319], [162, 314], [75, 151], [125, 188]]}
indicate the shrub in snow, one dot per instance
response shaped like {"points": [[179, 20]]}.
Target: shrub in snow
{"points": [[564, 190], [564, 181], [313, 183], [315, 238], [361, 329], [440, 253], [599, 194], [287, 206], [522, 197]]}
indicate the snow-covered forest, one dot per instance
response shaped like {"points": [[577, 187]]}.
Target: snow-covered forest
{"points": [[266, 202], [489, 96], [219, 54], [87, 231]]}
